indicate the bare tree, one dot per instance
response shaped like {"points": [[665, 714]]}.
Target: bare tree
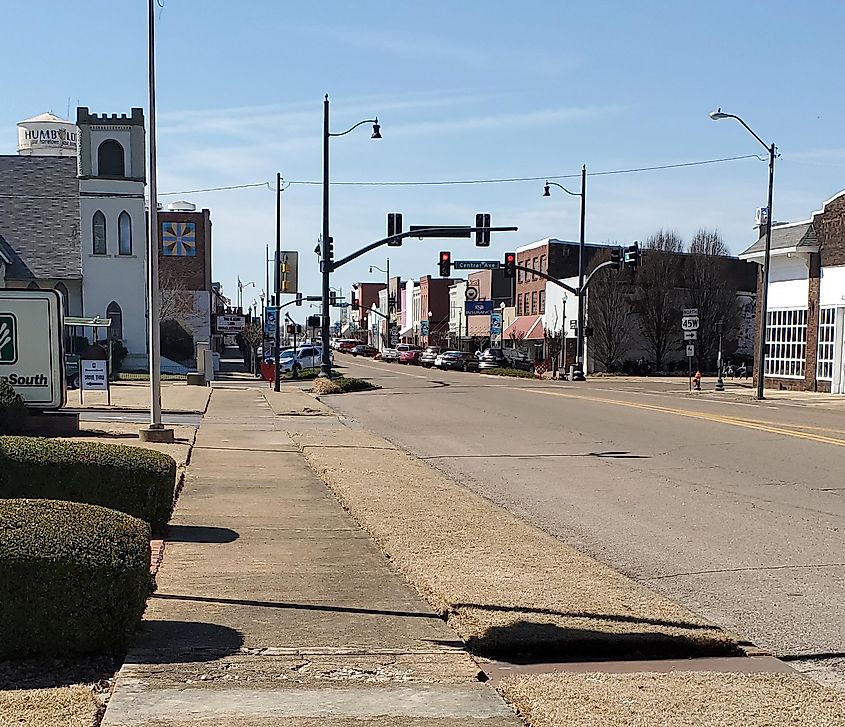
{"points": [[709, 290], [655, 301], [177, 303], [517, 338], [610, 316], [253, 335], [554, 342]]}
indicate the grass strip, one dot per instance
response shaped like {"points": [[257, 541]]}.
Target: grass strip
{"points": [[679, 699], [508, 588], [73, 706]]}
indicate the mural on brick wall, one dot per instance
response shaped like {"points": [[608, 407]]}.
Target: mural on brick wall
{"points": [[179, 239]]}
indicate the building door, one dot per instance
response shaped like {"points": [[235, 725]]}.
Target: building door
{"points": [[837, 386]]}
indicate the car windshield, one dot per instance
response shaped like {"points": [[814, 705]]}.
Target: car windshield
{"points": [[432, 349], [452, 354], [287, 354]]}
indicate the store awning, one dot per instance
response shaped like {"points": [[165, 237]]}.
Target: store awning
{"points": [[529, 328]]}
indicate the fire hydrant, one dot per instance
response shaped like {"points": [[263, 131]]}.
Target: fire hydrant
{"points": [[696, 381]]}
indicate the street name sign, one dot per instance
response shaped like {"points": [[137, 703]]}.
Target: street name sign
{"points": [[95, 375], [471, 293], [31, 346], [689, 323], [476, 264], [479, 307]]}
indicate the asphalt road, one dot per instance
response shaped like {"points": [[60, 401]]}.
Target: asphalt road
{"points": [[734, 508]]}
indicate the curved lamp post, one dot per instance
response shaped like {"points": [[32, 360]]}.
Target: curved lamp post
{"points": [[579, 374], [326, 363], [764, 296]]}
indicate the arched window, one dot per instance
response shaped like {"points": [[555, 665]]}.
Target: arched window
{"points": [[116, 315], [32, 286], [61, 289], [124, 234], [98, 234], [110, 162]]}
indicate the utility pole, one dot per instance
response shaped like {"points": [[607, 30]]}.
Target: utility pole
{"points": [[278, 284]]}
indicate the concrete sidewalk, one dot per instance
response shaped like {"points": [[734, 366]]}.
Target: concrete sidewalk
{"points": [[274, 608]]}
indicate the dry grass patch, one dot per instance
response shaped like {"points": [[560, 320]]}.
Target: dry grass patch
{"points": [[680, 699], [73, 706], [508, 588]]}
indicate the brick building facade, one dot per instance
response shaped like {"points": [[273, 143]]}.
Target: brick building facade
{"points": [[805, 327]]}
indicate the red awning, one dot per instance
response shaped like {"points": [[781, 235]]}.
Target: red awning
{"points": [[530, 326]]}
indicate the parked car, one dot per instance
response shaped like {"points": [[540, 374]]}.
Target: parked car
{"points": [[346, 345], [390, 355], [364, 350], [410, 355], [428, 356], [460, 360], [305, 357], [505, 358]]}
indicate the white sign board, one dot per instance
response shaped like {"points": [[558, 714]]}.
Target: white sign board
{"points": [[689, 323], [690, 335], [230, 323], [686, 312], [31, 357], [690, 350], [95, 375]]}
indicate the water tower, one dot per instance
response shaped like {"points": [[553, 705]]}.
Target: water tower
{"points": [[47, 135]]}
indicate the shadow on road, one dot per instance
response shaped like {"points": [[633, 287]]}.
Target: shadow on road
{"points": [[169, 642]]}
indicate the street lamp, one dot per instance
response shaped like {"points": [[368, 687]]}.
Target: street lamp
{"points": [[579, 356], [327, 261], [764, 300]]}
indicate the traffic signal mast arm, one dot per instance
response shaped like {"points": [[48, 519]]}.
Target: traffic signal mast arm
{"points": [[419, 232], [309, 298], [557, 282]]}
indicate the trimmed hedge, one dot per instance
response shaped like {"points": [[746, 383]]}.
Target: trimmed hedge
{"points": [[515, 373], [134, 480], [13, 413], [74, 578]]}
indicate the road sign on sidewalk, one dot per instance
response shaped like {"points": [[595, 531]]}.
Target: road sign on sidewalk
{"points": [[690, 350], [690, 335]]}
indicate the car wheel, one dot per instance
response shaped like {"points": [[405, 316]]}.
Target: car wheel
{"points": [[295, 371]]}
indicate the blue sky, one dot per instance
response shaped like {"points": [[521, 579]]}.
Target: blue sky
{"points": [[464, 90]]}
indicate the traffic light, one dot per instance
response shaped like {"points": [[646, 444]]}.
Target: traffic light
{"points": [[313, 321], [290, 328], [445, 264], [632, 256], [616, 257], [482, 237], [394, 227], [332, 298], [355, 304], [299, 299], [510, 264], [298, 329]]}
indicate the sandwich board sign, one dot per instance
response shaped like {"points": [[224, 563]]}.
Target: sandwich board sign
{"points": [[31, 357]]}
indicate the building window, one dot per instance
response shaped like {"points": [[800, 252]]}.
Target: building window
{"points": [[534, 266], [786, 343], [534, 303], [124, 234], [520, 274], [99, 233], [525, 300], [114, 313], [542, 301], [827, 331], [542, 263], [110, 162], [519, 305]]}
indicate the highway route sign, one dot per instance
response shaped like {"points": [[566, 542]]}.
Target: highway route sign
{"points": [[689, 323], [686, 312], [690, 335]]}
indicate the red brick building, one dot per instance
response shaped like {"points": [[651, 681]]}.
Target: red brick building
{"points": [[434, 307]]}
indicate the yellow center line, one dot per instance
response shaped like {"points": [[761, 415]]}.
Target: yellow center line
{"points": [[770, 427]]}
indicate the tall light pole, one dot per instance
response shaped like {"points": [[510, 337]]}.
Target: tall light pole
{"points": [[328, 251], [156, 431], [579, 374], [764, 296]]}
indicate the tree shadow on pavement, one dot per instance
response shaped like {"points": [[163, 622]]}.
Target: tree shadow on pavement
{"points": [[199, 534], [168, 642]]}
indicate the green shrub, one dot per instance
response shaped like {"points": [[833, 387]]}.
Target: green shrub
{"points": [[13, 413], [516, 373], [74, 578], [118, 355], [137, 481], [341, 385]]}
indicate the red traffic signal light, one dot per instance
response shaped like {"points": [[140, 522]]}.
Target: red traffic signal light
{"points": [[445, 263], [510, 264]]}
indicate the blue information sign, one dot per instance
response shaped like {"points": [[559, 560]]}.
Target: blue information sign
{"points": [[496, 323], [270, 321], [423, 328], [479, 307]]}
